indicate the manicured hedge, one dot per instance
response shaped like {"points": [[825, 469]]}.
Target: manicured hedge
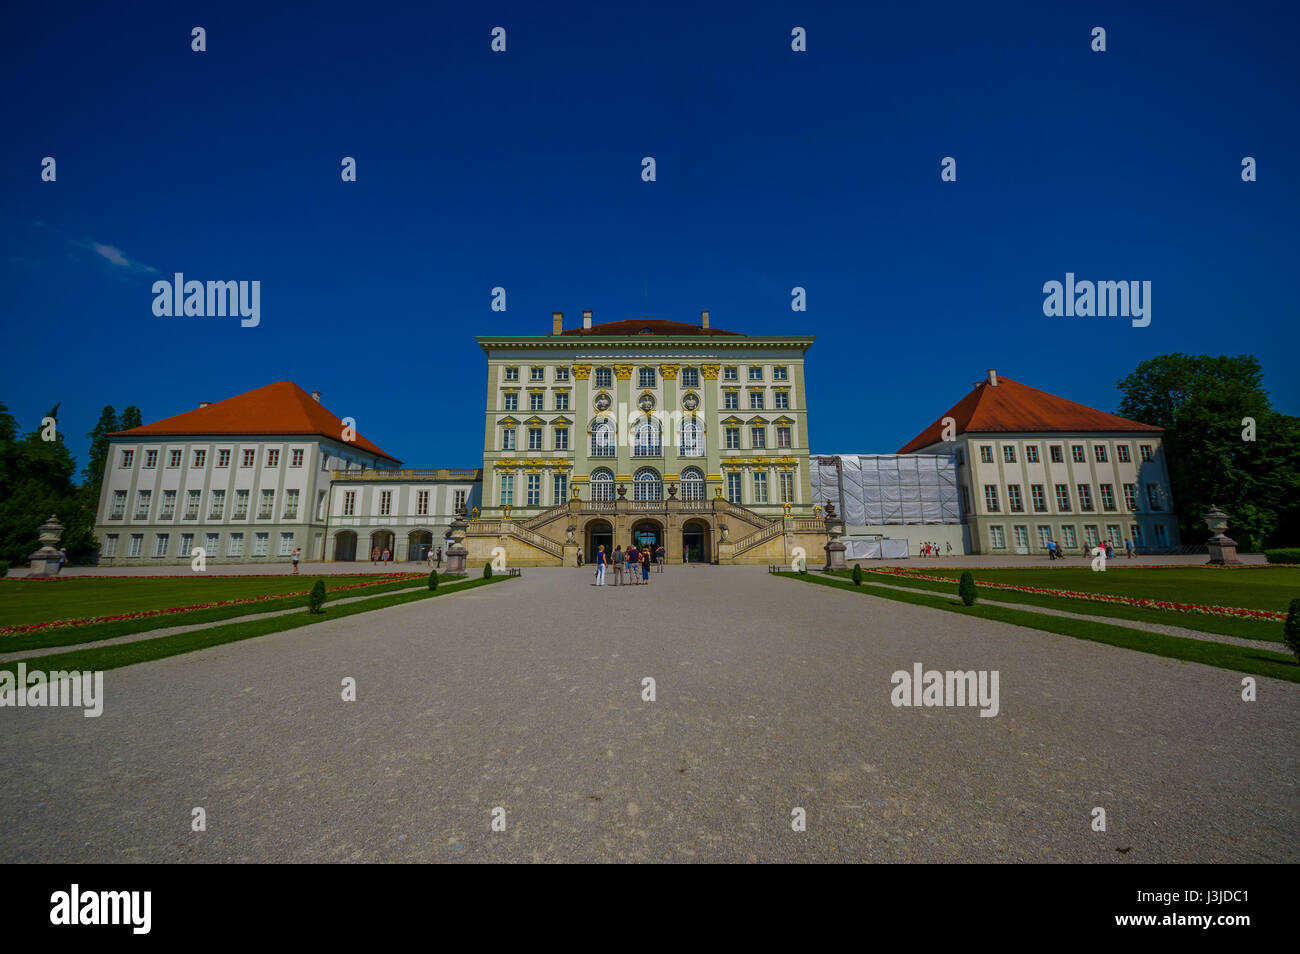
{"points": [[1283, 555]]}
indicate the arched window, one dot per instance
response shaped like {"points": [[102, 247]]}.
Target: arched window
{"points": [[692, 484], [604, 439], [602, 484], [645, 439], [647, 485], [692, 442]]}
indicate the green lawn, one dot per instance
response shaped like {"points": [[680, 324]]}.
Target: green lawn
{"points": [[1220, 625], [86, 596], [1266, 588]]}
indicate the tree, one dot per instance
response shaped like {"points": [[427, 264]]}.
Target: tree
{"points": [[1201, 402], [98, 459], [966, 588]]}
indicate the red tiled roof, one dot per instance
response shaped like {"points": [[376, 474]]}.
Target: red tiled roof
{"points": [[640, 326], [279, 408], [1017, 408]]}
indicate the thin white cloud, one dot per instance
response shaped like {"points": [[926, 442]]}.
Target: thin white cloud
{"points": [[113, 254]]}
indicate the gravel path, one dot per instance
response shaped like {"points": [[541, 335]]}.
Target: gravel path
{"points": [[771, 695]]}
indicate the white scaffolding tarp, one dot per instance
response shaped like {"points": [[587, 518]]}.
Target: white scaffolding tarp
{"points": [[875, 549], [875, 490]]}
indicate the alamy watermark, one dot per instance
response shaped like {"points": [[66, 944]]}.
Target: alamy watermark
{"points": [[1086, 299], [215, 300], [931, 687], [37, 689]]}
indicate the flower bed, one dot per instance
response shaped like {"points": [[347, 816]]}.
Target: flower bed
{"points": [[170, 610], [1234, 611]]}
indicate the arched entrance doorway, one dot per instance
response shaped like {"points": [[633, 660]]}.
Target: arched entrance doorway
{"points": [[600, 533], [647, 533], [695, 542], [419, 543], [345, 546], [381, 540]]}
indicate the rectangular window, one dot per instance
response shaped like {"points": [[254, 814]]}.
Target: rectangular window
{"points": [[187, 545], [997, 539], [160, 545], [965, 500], [1014, 499], [119, 505], [1031, 453], [1135, 532], [192, 500], [1130, 497], [264, 512], [210, 543], [537, 401], [1115, 534], [730, 374], [510, 401], [534, 438], [200, 458], [1091, 536], [512, 374], [1162, 537], [1080, 453], [733, 438], [560, 488], [422, 503], [1063, 497], [756, 372], [261, 543], [1107, 496], [561, 374], [150, 459], [1058, 454], [986, 453], [561, 400], [223, 457], [787, 487], [991, 497], [286, 544], [690, 377], [536, 374], [1153, 496], [1122, 454], [780, 373], [386, 503], [646, 377], [1022, 538], [174, 458], [1039, 497], [507, 438], [758, 437], [733, 487], [235, 545], [143, 499], [781, 400], [731, 400], [1044, 534], [1145, 451], [241, 505], [604, 378], [1099, 453], [127, 457], [296, 457], [249, 457], [291, 504], [320, 505], [1068, 538], [783, 437], [137, 544], [168, 505], [1085, 498], [760, 486], [561, 438], [507, 490], [349, 503], [1009, 453], [110, 545], [756, 400], [216, 504], [534, 490]]}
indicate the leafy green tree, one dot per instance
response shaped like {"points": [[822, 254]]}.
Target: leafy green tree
{"points": [[98, 459], [1201, 402]]}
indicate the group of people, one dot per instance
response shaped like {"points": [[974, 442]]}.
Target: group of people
{"points": [[1054, 549], [633, 560], [931, 549]]}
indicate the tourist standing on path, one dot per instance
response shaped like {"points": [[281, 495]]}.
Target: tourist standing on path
{"points": [[439, 557], [387, 556], [579, 556], [296, 554], [374, 556], [630, 554], [617, 561], [1128, 547], [949, 547], [645, 565], [686, 554], [659, 558], [600, 565]]}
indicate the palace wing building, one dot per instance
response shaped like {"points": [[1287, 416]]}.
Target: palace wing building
{"points": [[1034, 467]]}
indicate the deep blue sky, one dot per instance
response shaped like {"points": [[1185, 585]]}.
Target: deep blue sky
{"points": [[522, 169]]}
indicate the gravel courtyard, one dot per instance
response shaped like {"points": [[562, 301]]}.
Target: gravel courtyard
{"points": [[771, 694]]}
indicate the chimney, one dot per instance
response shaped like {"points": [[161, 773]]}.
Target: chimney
{"points": [[204, 403], [315, 396], [704, 319], [586, 318], [557, 322], [993, 378]]}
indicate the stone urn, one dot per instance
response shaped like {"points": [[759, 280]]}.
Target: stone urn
{"points": [[47, 561], [457, 552], [1223, 549]]}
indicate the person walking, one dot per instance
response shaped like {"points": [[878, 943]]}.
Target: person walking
{"points": [[440, 558], [600, 565], [1128, 547], [659, 558], [296, 554], [579, 556], [617, 561], [686, 554], [630, 555], [387, 556], [645, 565], [948, 546], [374, 555]]}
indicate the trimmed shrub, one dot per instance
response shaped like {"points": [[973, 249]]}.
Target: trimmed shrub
{"points": [[316, 599], [487, 570], [857, 574], [4, 567], [966, 588], [433, 579], [1283, 555], [1291, 629]]}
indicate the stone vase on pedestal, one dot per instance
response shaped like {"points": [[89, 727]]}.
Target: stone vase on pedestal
{"points": [[47, 561], [457, 552], [1223, 549]]}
